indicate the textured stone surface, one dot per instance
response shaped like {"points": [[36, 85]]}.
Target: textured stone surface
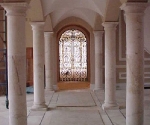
{"points": [[75, 99], [98, 35], [110, 65], [16, 54], [93, 114], [134, 13], [48, 60], [38, 63]]}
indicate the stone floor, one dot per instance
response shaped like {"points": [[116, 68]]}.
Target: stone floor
{"points": [[76, 107]]}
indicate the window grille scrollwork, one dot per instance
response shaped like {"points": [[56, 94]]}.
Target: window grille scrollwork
{"points": [[73, 56]]}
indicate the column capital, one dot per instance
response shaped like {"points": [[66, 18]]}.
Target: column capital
{"points": [[98, 32], [37, 25], [134, 7], [110, 24], [15, 9]]}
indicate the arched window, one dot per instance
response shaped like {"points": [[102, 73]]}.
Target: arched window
{"points": [[73, 56]]}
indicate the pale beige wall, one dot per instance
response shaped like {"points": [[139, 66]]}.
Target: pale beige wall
{"points": [[34, 13]]}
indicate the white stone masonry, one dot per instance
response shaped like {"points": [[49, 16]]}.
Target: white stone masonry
{"points": [[48, 60], [134, 13], [110, 65], [38, 65], [16, 49], [98, 35]]}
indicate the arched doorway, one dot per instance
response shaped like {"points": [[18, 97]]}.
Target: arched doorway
{"points": [[73, 59], [73, 56]]}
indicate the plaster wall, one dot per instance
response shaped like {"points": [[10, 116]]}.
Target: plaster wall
{"points": [[34, 13]]}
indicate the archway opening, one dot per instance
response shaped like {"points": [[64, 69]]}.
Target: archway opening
{"points": [[73, 56], [73, 65]]}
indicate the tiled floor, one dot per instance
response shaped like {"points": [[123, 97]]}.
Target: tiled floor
{"points": [[76, 107]]}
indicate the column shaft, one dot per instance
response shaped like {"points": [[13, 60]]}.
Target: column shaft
{"points": [[110, 65], [98, 60], [16, 62], [135, 63], [55, 63], [38, 65], [48, 60]]}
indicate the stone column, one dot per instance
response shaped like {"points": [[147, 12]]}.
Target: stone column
{"points": [[98, 60], [110, 65], [134, 13], [55, 63], [38, 65], [16, 49], [48, 60]]}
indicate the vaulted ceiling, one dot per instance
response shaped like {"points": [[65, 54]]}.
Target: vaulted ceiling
{"points": [[90, 12]]}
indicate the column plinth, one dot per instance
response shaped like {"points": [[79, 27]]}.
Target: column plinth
{"points": [[134, 13], [38, 65], [110, 65], [48, 61], [98, 60], [16, 53]]}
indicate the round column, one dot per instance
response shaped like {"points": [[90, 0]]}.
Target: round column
{"points": [[48, 60], [38, 65], [110, 65], [134, 13], [98, 60], [55, 63], [16, 50]]}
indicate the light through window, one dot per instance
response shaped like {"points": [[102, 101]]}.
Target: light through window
{"points": [[73, 56]]}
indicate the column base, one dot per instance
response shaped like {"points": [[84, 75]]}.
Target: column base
{"points": [[92, 86], [42, 107], [110, 106], [49, 89], [55, 87], [98, 88]]}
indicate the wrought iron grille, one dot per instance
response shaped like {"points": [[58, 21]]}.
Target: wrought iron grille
{"points": [[73, 56]]}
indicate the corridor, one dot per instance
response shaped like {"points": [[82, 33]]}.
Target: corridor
{"points": [[76, 107]]}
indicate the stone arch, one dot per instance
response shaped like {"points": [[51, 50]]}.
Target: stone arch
{"points": [[87, 35]]}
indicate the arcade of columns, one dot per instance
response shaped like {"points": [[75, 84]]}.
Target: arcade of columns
{"points": [[16, 12]]}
